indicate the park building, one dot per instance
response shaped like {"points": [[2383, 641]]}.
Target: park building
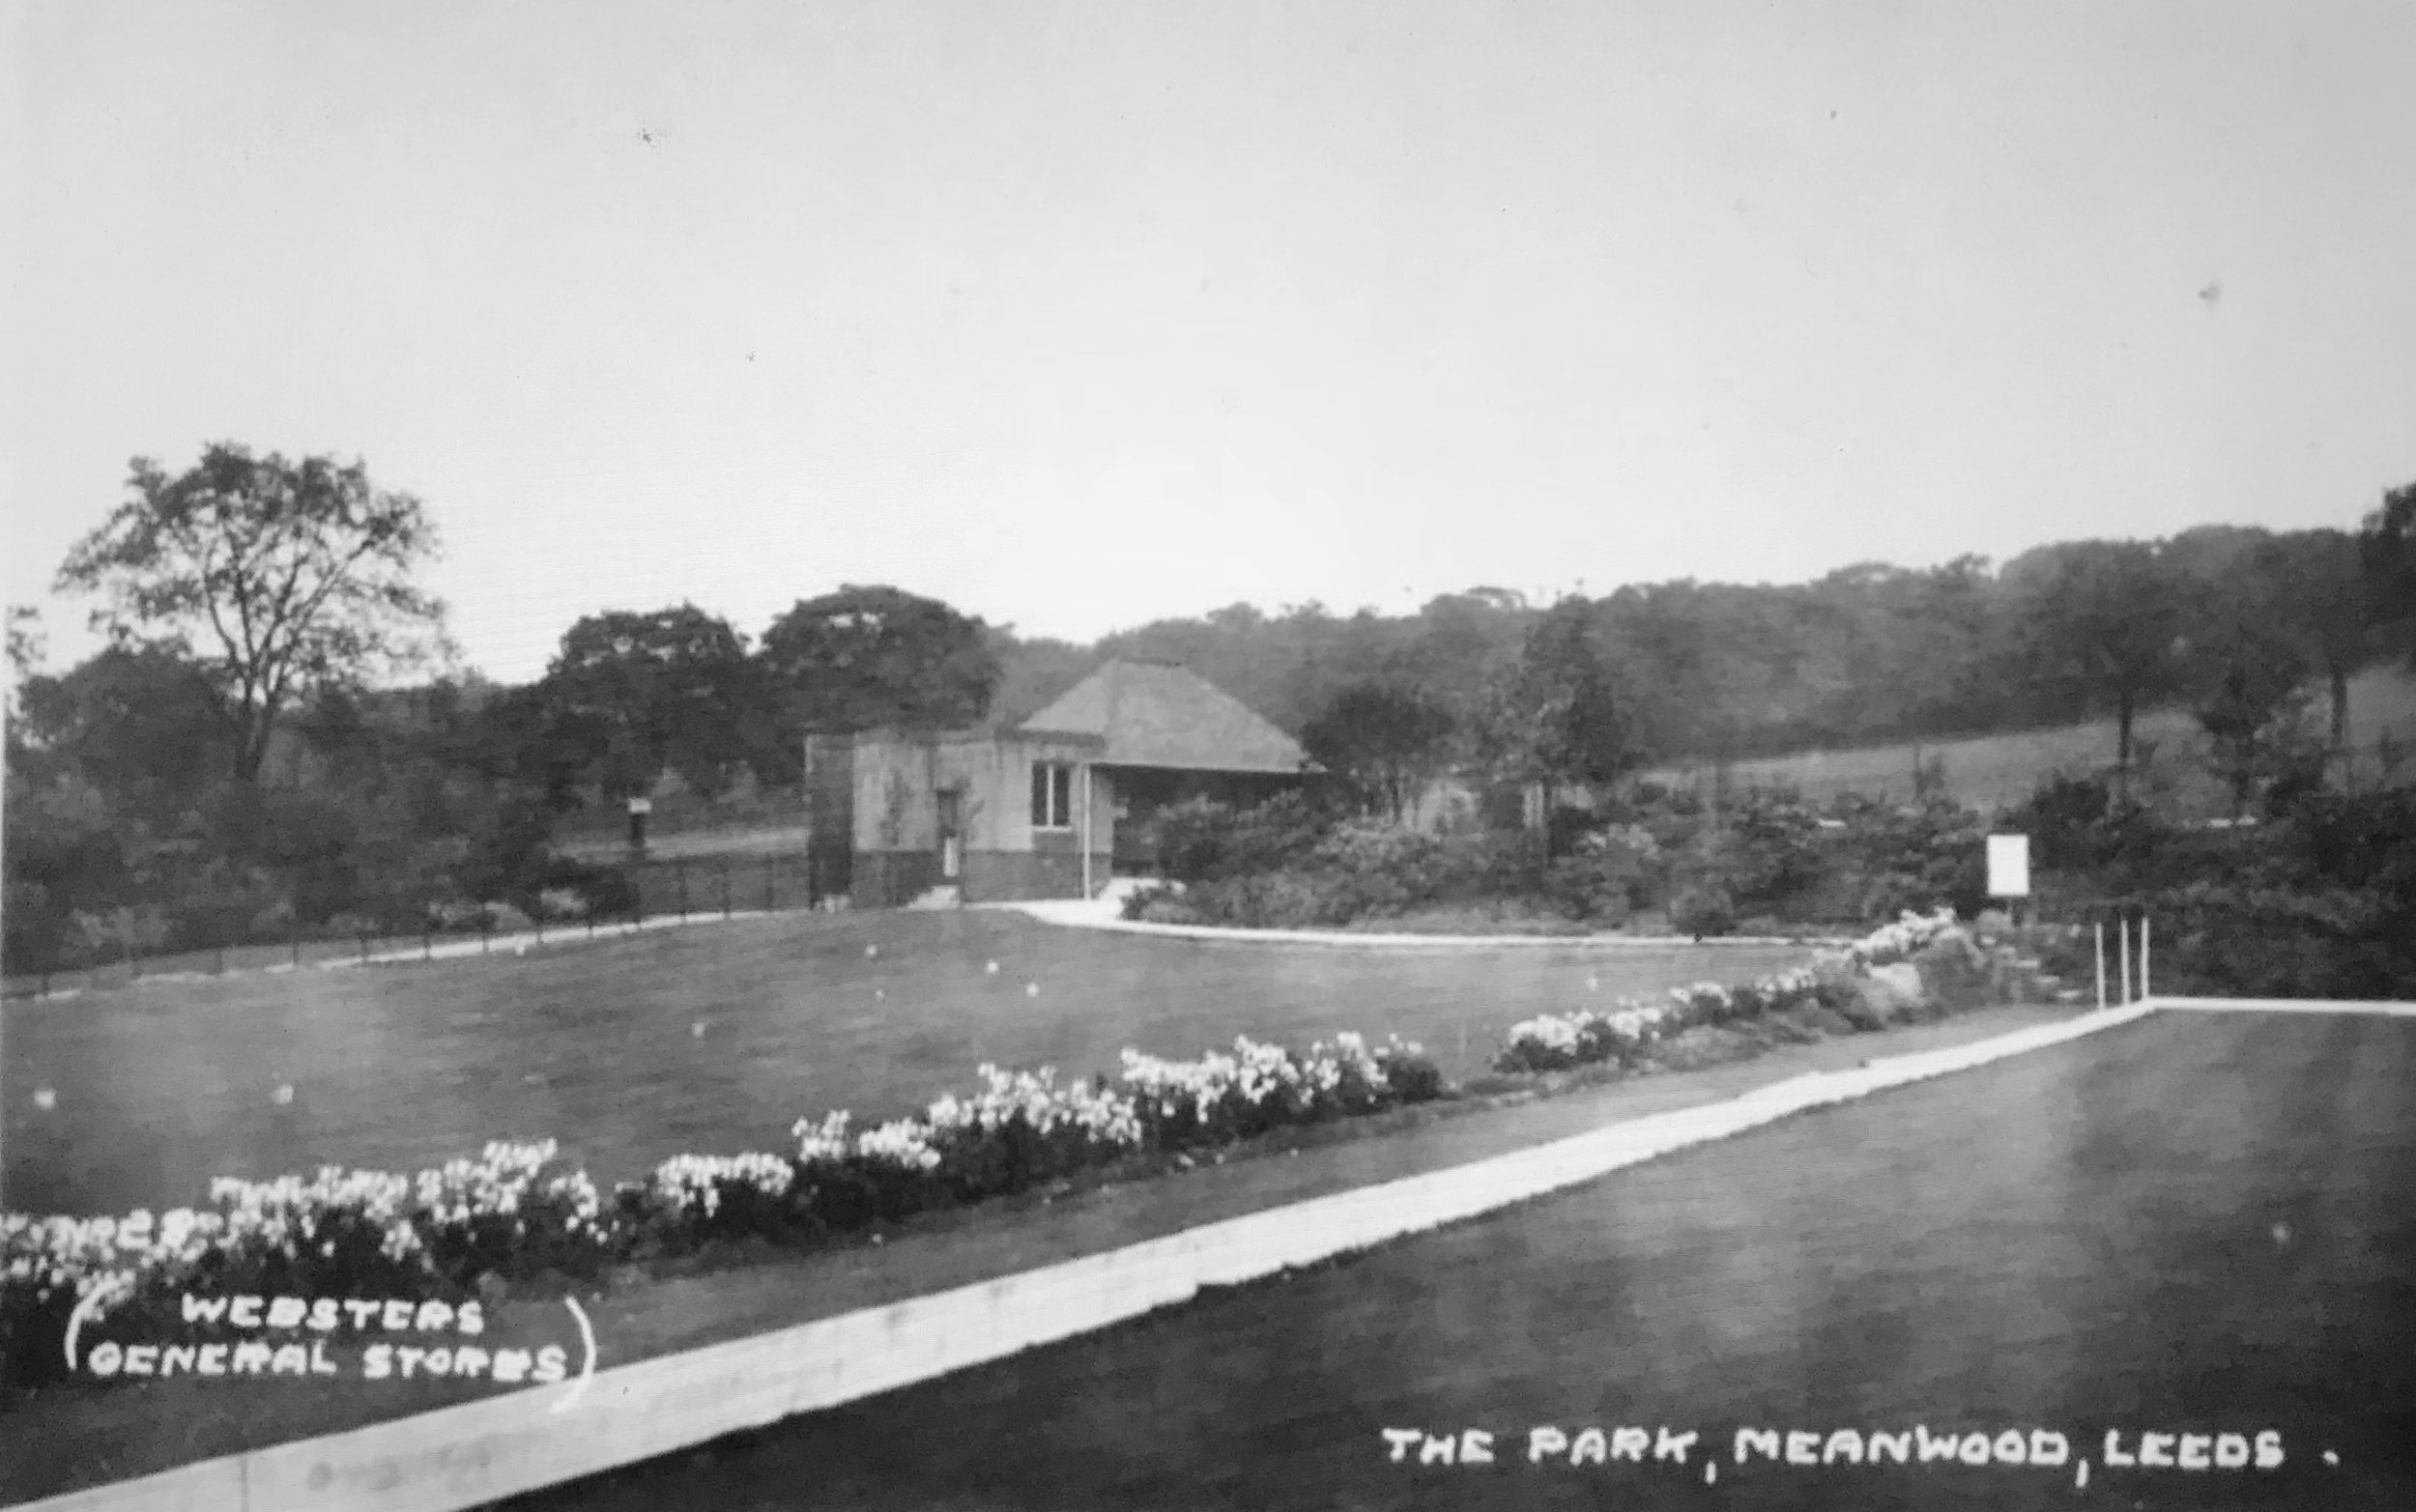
{"points": [[1051, 807]]}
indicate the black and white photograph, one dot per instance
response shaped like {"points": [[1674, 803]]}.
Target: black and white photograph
{"points": [[1064, 756]]}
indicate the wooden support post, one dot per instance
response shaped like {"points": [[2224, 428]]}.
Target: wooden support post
{"points": [[2142, 955], [2100, 928], [1086, 830], [2122, 925]]}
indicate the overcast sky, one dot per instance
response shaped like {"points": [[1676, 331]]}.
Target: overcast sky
{"points": [[1083, 316]]}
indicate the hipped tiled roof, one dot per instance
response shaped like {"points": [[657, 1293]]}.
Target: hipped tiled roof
{"points": [[1157, 715]]}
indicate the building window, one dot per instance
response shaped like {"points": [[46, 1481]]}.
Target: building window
{"points": [[1053, 796]]}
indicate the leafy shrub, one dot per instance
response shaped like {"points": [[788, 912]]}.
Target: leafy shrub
{"points": [[603, 892], [1202, 840], [1161, 905], [1915, 857], [1278, 900], [1768, 850], [2230, 940], [1612, 872], [1703, 910]]}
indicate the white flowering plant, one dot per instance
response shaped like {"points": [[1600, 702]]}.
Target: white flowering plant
{"points": [[1558, 1042], [1018, 1129], [1221, 1098], [514, 1211], [1901, 941], [517, 1210]]}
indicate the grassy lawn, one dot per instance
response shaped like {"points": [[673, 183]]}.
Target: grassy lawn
{"points": [[1989, 770], [712, 1039], [2189, 1225]]}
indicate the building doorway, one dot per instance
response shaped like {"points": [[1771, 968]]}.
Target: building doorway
{"points": [[951, 833]]}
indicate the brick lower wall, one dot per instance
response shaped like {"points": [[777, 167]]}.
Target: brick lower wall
{"points": [[998, 876], [891, 878]]}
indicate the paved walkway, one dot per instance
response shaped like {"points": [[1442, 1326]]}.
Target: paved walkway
{"points": [[1107, 912]]}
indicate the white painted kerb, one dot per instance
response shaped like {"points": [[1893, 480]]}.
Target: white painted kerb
{"points": [[479, 1451], [1078, 914], [2267, 1004]]}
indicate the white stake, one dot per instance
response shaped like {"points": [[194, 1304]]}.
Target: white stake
{"points": [[2101, 962], [2122, 927], [2142, 955]]}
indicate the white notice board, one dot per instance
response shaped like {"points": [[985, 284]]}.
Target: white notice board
{"points": [[2008, 865]]}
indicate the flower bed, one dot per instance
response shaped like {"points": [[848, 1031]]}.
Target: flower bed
{"points": [[517, 1212], [1559, 1042]]}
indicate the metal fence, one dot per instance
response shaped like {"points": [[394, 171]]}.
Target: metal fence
{"points": [[652, 891]]}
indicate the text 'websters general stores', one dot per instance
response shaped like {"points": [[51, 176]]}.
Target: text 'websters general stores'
{"points": [[364, 1338]]}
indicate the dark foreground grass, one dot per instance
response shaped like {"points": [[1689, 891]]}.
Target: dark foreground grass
{"points": [[707, 1039], [2193, 1224]]}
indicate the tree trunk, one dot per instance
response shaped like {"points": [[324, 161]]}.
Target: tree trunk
{"points": [[2341, 756], [2122, 748]]}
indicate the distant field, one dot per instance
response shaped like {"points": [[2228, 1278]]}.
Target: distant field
{"points": [[2130, 1233], [157, 1089], [2003, 769]]}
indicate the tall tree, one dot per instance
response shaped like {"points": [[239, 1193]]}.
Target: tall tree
{"points": [[2109, 621], [2386, 551], [867, 657], [667, 689], [2319, 597], [271, 578], [2253, 706], [1560, 722], [1385, 741]]}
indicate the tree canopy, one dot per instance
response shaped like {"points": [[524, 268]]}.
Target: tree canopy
{"points": [[641, 693], [1383, 742], [867, 657], [268, 577]]}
